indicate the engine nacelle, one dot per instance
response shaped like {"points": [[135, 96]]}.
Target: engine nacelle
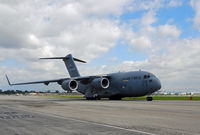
{"points": [[100, 83], [69, 85]]}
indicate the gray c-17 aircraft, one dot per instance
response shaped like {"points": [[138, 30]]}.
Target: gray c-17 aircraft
{"points": [[113, 86]]}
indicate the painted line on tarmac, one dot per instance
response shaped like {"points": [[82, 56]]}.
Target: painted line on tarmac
{"points": [[111, 126], [84, 121]]}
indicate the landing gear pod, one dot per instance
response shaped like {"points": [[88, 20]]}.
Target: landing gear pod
{"points": [[100, 83], [69, 85]]}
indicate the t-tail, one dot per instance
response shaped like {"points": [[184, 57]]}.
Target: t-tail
{"points": [[70, 65]]}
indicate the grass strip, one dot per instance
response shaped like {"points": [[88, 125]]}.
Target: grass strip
{"points": [[67, 96], [164, 98]]}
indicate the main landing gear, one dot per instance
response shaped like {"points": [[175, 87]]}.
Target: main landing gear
{"points": [[149, 98], [93, 98], [115, 98]]}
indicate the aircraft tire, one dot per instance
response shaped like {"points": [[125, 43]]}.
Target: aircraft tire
{"points": [[93, 98], [115, 98], [149, 98], [89, 98], [98, 98]]}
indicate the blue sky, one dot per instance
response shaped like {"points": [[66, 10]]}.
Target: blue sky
{"points": [[180, 16], [11, 63], [126, 53], [122, 35]]}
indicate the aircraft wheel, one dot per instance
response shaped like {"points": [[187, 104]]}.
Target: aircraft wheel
{"points": [[98, 98], [149, 98], [89, 98], [115, 98], [93, 98]]}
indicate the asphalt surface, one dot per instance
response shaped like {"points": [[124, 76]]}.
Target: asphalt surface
{"points": [[33, 115]]}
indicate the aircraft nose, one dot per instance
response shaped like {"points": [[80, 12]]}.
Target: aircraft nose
{"points": [[157, 84]]}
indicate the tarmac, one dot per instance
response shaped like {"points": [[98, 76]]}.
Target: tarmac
{"points": [[34, 115]]}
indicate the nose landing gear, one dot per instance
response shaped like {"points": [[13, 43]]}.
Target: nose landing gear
{"points": [[149, 98]]}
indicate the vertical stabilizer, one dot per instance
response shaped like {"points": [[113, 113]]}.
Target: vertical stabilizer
{"points": [[70, 65]]}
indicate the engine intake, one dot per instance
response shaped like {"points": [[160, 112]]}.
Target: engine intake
{"points": [[69, 85], [100, 83]]}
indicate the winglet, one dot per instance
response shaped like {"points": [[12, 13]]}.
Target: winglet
{"points": [[8, 80]]}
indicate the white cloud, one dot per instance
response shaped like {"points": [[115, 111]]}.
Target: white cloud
{"points": [[33, 29], [153, 5], [88, 29], [195, 4], [145, 5], [175, 3], [62, 26], [103, 7], [146, 37], [113, 59], [128, 62], [173, 59], [148, 18], [140, 43], [169, 30]]}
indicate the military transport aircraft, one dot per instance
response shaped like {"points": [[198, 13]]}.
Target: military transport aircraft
{"points": [[113, 86]]}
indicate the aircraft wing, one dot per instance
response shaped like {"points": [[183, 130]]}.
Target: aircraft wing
{"points": [[46, 82], [89, 77], [84, 79]]}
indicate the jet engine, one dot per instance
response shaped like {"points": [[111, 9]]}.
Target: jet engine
{"points": [[100, 83], [69, 85]]}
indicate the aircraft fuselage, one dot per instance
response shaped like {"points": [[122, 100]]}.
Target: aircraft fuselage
{"points": [[124, 84]]}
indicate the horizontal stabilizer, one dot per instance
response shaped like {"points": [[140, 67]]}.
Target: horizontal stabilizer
{"points": [[69, 63], [75, 59], [55, 58]]}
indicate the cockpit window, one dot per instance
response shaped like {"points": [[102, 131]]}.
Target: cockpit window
{"points": [[146, 76]]}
